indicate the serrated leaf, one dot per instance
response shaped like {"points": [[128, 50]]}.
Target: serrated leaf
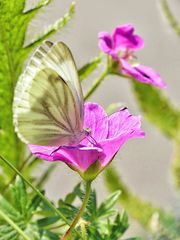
{"points": [[34, 204], [53, 28], [105, 208], [111, 229], [68, 210], [15, 225], [47, 235], [11, 235], [8, 208], [43, 222], [77, 192], [119, 226], [25, 225], [20, 196], [40, 4]]}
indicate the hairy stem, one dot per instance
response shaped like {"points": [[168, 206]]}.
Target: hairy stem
{"points": [[170, 17], [81, 210], [20, 169], [176, 164], [96, 84]]}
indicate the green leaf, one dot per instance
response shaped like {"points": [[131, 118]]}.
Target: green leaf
{"points": [[35, 203], [26, 218], [20, 196], [41, 4], [13, 25], [157, 108], [8, 235], [51, 29], [47, 235], [77, 192], [88, 68], [119, 226], [103, 222], [8, 209], [14, 226], [46, 201], [112, 229], [105, 208], [43, 222]]}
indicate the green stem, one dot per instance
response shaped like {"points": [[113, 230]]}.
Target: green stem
{"points": [[176, 164], [96, 83], [15, 226], [81, 210], [167, 12], [83, 231], [20, 169]]}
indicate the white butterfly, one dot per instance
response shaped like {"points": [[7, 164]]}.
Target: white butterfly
{"points": [[48, 100]]}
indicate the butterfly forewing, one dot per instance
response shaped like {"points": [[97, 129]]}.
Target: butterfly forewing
{"points": [[48, 106], [62, 61]]}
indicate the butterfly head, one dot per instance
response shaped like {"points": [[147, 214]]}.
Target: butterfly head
{"points": [[91, 140]]}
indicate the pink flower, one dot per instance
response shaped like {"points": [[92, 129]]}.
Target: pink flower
{"points": [[107, 135], [121, 46]]}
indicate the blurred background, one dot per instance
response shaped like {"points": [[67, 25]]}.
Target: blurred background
{"points": [[144, 164]]}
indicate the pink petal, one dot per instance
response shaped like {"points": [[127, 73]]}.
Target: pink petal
{"points": [[122, 127], [142, 74], [96, 120], [123, 122], [112, 146], [106, 44], [43, 152], [124, 37], [152, 75], [79, 157]]}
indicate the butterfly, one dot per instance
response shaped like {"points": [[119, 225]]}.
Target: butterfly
{"points": [[48, 101]]}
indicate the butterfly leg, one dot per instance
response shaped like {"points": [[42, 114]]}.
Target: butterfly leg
{"points": [[91, 140]]}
